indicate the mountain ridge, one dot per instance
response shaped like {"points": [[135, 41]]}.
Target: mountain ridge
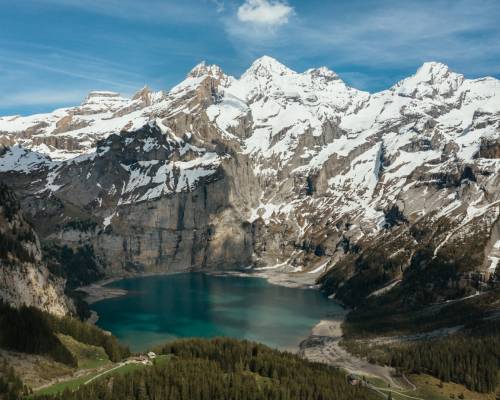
{"points": [[291, 173]]}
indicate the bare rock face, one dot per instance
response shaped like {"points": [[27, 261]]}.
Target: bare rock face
{"points": [[147, 202], [294, 172], [24, 278]]}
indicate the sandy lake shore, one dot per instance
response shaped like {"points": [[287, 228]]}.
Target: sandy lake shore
{"points": [[98, 291]]}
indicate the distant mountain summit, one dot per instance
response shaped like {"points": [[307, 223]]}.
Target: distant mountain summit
{"points": [[291, 172]]}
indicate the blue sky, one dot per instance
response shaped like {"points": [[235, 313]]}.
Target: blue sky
{"points": [[52, 52]]}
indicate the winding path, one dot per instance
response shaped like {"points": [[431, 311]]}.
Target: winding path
{"points": [[121, 364]]}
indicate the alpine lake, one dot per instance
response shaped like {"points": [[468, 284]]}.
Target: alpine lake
{"points": [[157, 309]]}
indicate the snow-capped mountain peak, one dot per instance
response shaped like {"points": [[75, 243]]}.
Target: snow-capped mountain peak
{"points": [[431, 79], [266, 67], [203, 69], [432, 69], [202, 77], [273, 107]]}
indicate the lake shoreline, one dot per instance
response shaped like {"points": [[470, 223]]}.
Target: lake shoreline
{"points": [[322, 344], [98, 291]]}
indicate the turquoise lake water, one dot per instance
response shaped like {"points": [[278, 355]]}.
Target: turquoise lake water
{"points": [[161, 308]]}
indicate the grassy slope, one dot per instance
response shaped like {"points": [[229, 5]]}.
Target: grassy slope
{"points": [[88, 356], [74, 383]]}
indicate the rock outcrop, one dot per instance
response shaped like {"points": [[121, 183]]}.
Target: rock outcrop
{"points": [[24, 278]]}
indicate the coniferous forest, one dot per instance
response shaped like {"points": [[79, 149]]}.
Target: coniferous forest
{"points": [[470, 357], [223, 369], [42, 338], [473, 361]]}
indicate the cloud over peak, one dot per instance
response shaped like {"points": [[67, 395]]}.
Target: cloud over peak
{"points": [[265, 12]]}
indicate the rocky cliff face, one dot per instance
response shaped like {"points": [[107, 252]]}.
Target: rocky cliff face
{"points": [[290, 172], [24, 279]]}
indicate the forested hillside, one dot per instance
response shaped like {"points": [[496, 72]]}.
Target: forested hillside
{"points": [[472, 360], [30, 330], [468, 355], [224, 369]]}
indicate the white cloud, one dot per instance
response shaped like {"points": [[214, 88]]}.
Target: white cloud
{"points": [[375, 49], [265, 12]]}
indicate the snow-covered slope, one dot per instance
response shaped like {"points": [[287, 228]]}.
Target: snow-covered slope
{"points": [[299, 170], [68, 132]]}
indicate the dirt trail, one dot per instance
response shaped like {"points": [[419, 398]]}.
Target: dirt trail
{"points": [[76, 374], [119, 365]]}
